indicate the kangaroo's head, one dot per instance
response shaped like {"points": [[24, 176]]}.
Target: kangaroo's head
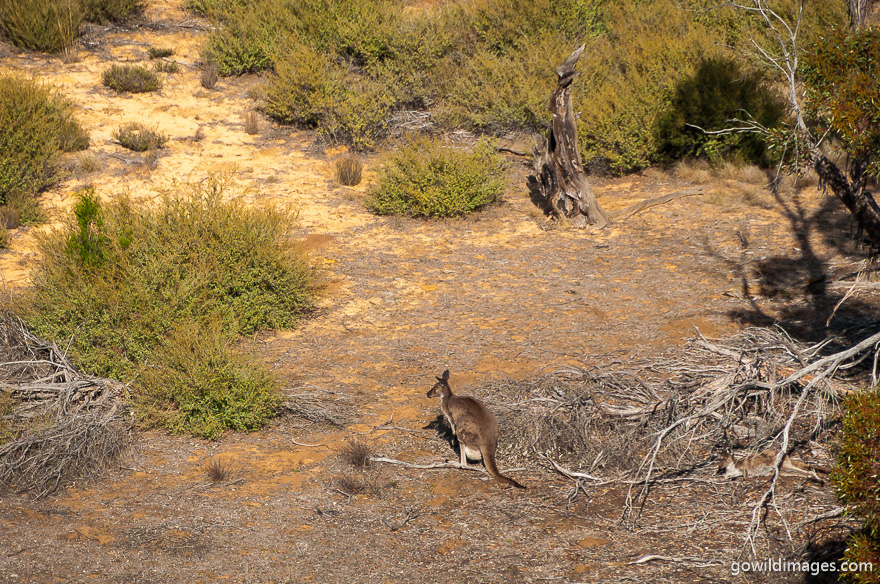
{"points": [[726, 461], [441, 387]]}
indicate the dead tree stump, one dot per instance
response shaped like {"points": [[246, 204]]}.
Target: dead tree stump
{"points": [[559, 184]]}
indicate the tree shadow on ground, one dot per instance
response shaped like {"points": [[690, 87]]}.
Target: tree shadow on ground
{"points": [[802, 286]]}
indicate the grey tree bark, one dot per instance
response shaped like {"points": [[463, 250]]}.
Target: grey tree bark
{"points": [[559, 183]]}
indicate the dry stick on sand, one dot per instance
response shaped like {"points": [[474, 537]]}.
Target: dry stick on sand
{"points": [[653, 202], [438, 465]]}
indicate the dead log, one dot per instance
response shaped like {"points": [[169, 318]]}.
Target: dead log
{"points": [[559, 184]]}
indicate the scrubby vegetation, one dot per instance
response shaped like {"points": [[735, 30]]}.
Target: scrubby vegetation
{"points": [[346, 68], [856, 479], [349, 171], [36, 123], [131, 79], [135, 136], [160, 292], [427, 178], [159, 53], [53, 26]]}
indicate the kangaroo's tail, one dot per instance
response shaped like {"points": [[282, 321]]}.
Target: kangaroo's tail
{"points": [[488, 452]]}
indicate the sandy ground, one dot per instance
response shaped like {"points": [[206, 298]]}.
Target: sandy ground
{"points": [[503, 294]]}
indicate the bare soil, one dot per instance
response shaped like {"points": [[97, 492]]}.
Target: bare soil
{"points": [[505, 294]]}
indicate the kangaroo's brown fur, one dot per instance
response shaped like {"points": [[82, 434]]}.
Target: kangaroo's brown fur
{"points": [[761, 464], [473, 424]]}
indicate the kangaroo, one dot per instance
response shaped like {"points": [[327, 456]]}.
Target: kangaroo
{"points": [[762, 465], [474, 426]]}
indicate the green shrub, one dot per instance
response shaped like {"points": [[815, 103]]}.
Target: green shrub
{"points": [[195, 383], [157, 53], [131, 78], [169, 67], [718, 92], [35, 123], [426, 178], [41, 25], [102, 11], [856, 478], [88, 244], [135, 136], [193, 257]]}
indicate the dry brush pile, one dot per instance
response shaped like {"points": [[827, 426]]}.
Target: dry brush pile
{"points": [[56, 423], [669, 419]]}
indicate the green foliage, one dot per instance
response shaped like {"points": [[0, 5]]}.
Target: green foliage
{"points": [[193, 257], [102, 11], [197, 384], [159, 53], [842, 77], [166, 67], [135, 136], [35, 123], [718, 92], [89, 242], [41, 25], [131, 78], [856, 478], [426, 178]]}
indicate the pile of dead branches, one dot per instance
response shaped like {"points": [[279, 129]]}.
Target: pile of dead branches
{"points": [[673, 417], [56, 423]]}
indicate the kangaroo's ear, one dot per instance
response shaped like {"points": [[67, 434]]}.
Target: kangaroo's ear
{"points": [[445, 376]]}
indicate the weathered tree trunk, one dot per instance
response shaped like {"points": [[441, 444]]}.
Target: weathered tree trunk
{"points": [[852, 192], [559, 183], [858, 13]]}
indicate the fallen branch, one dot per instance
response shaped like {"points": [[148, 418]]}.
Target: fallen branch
{"points": [[653, 202], [677, 560], [446, 464]]}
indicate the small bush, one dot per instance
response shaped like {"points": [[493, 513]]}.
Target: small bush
{"points": [[426, 178], [135, 136], [10, 217], [35, 123], [349, 171], [357, 453], [131, 79], [121, 277], [41, 25], [252, 123], [102, 11], [209, 76], [856, 479], [196, 384], [157, 53], [166, 67], [219, 469]]}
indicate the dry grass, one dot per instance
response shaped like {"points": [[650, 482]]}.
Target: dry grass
{"points": [[252, 123], [692, 171], [349, 171], [168, 67], [210, 75], [220, 469], [357, 453], [135, 136]]}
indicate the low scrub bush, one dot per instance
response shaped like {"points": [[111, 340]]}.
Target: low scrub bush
{"points": [[135, 136], [349, 171], [119, 278], [166, 67], [159, 53], [36, 122], [195, 383], [131, 79], [50, 26], [856, 479], [209, 76], [102, 11], [426, 178]]}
